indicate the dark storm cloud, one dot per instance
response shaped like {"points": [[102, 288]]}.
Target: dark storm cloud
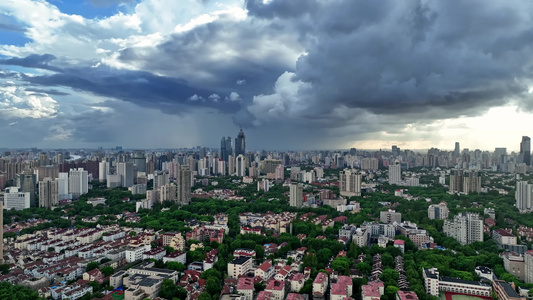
{"points": [[52, 92], [142, 88], [443, 59], [32, 61]]}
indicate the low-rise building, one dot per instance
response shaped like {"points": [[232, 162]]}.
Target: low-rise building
{"points": [[239, 266]]}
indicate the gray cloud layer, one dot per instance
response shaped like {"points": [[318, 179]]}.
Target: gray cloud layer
{"points": [[344, 69]]}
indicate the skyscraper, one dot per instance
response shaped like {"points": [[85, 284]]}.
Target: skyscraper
{"points": [[139, 160], [184, 185], [78, 182], [226, 148], [296, 195], [27, 182], [240, 163], [395, 172], [240, 144], [524, 196], [48, 192], [125, 169], [525, 150], [457, 150], [464, 181]]}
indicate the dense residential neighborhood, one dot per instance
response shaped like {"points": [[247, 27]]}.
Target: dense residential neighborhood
{"points": [[297, 228]]}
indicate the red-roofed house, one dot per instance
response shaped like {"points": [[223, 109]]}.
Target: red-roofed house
{"points": [[245, 287], [265, 270], [294, 296], [373, 290], [402, 295], [342, 288], [297, 281], [400, 244], [264, 295], [277, 288], [283, 273], [320, 285]]}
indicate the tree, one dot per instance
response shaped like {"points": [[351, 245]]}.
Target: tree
{"points": [[91, 266], [211, 273], [341, 264], [212, 286], [364, 267], [390, 292], [389, 274], [177, 266], [170, 290], [108, 271], [9, 291], [204, 296], [4, 269]]}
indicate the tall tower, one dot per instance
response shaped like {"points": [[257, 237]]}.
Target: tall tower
{"points": [[48, 192], [126, 170], [78, 182], [139, 160], [223, 151], [395, 172], [184, 185], [27, 182], [457, 150], [241, 165], [240, 144], [296, 195], [525, 150]]}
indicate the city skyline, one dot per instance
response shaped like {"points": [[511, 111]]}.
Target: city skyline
{"points": [[297, 75]]}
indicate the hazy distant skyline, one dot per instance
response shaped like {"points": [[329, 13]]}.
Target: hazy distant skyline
{"points": [[298, 74]]}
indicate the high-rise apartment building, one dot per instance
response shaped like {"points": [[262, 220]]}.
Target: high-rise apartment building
{"points": [[395, 172], [438, 211], [240, 163], [466, 228], [524, 196], [296, 195], [184, 185], [27, 182], [62, 186], [390, 216], [78, 182], [465, 181], [103, 170], [240, 144], [525, 151], [48, 192], [125, 169], [2, 233], [280, 172], [231, 165], [369, 164], [350, 182]]}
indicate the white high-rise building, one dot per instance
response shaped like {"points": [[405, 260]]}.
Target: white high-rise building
{"points": [[395, 172], [125, 169], [280, 172], [13, 198], [240, 163], [48, 192], [78, 182], [350, 182], [296, 195], [62, 186], [524, 196], [438, 211], [103, 170], [466, 228]]}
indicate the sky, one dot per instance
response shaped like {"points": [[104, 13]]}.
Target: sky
{"points": [[296, 75]]}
